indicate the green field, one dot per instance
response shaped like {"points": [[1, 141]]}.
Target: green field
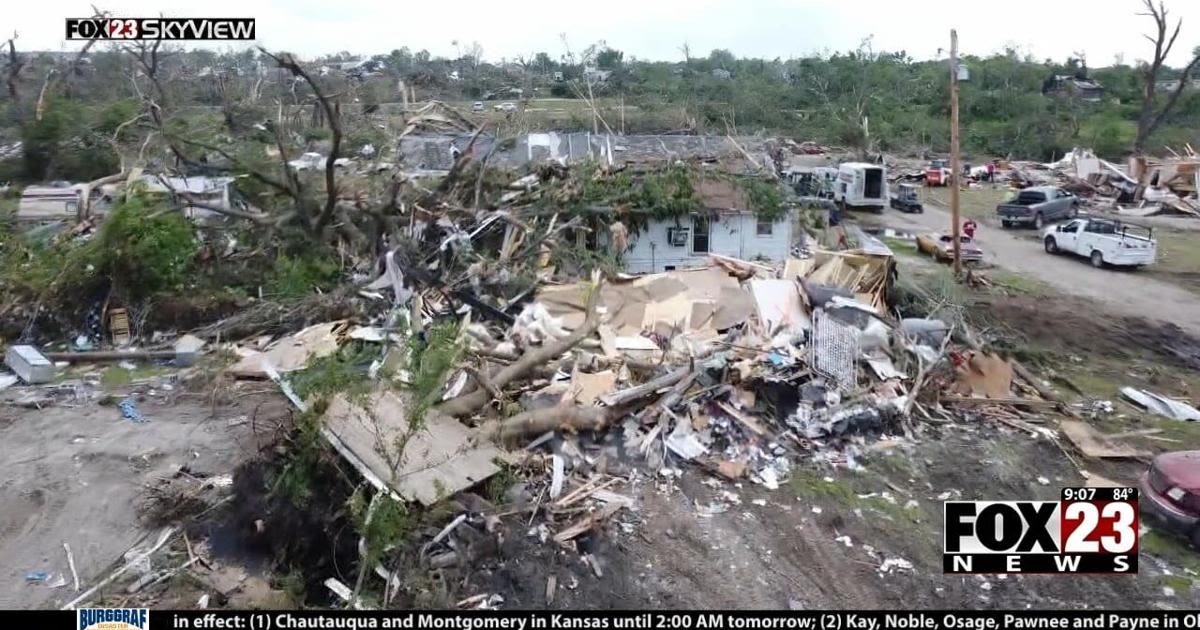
{"points": [[977, 203], [1178, 258]]}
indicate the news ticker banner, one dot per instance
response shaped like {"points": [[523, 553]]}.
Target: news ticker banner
{"points": [[144, 619]]}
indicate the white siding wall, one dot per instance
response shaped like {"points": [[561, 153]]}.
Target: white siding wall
{"points": [[730, 234]]}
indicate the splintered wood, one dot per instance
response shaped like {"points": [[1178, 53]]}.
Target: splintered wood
{"points": [[587, 523]]}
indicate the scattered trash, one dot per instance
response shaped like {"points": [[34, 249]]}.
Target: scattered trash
{"points": [[29, 364], [37, 577], [1161, 405], [292, 353], [130, 412], [895, 564]]}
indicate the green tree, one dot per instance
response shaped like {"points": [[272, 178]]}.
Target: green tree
{"points": [[609, 59]]}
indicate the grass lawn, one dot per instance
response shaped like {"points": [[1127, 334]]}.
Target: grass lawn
{"points": [[977, 203], [901, 247], [1178, 259], [1019, 283]]}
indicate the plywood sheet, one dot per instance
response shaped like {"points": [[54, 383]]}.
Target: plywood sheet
{"points": [[439, 459], [1094, 444]]}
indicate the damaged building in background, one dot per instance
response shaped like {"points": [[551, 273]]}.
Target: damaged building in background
{"points": [[724, 220]]}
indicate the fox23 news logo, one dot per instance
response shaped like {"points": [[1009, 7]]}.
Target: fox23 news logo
{"points": [[1091, 530], [112, 618], [182, 29]]}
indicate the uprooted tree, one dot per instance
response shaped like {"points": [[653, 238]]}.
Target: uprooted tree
{"points": [[1153, 111]]}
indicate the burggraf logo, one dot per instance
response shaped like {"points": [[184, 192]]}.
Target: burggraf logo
{"points": [[112, 618]]}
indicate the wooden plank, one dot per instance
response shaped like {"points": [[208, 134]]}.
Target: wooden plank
{"points": [[1020, 402], [1094, 444], [439, 458]]}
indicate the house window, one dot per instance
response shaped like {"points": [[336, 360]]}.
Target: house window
{"points": [[764, 228], [700, 226]]}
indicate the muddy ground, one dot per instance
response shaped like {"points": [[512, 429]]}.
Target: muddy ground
{"points": [[76, 471], [783, 553]]}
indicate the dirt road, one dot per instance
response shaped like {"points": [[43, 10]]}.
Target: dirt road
{"points": [[1122, 292]]}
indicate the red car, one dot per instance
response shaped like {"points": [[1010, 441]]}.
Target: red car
{"points": [[1170, 494]]}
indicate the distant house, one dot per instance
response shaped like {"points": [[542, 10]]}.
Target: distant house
{"points": [[594, 75], [1065, 85], [1170, 85], [558, 76]]}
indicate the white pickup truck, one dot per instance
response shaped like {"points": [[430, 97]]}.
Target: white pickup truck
{"points": [[1103, 241]]}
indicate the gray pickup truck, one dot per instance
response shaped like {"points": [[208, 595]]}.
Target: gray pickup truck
{"points": [[1035, 206]]}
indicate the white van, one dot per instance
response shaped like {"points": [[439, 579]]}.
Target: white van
{"points": [[861, 186]]}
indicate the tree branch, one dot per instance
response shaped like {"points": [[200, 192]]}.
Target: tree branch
{"points": [[15, 65], [289, 63], [259, 219], [473, 400]]}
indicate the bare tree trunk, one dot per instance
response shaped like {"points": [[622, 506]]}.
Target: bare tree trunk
{"points": [[15, 64], [1148, 118]]}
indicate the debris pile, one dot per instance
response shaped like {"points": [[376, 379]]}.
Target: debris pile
{"points": [[1148, 186], [474, 351], [589, 389]]}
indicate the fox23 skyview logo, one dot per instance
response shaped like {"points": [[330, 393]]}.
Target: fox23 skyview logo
{"points": [[112, 618]]}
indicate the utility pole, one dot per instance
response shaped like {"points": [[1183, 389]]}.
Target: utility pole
{"points": [[955, 159]]}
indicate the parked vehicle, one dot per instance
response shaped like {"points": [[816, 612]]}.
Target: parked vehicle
{"points": [[507, 107], [861, 186], [1170, 494], [1035, 206], [941, 247], [937, 173], [905, 199], [477, 106], [815, 181], [1104, 241]]}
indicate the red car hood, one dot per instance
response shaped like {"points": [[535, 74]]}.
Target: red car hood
{"points": [[1181, 468]]}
